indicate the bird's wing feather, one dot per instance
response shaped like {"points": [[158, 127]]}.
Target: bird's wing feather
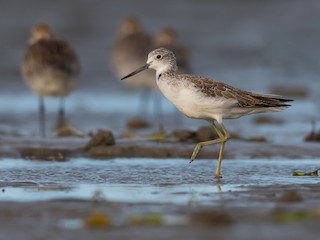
{"points": [[243, 99], [55, 54]]}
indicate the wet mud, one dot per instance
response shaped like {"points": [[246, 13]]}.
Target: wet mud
{"points": [[138, 198], [60, 149], [263, 211]]}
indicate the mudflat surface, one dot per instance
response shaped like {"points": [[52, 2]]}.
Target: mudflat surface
{"points": [[148, 198]]}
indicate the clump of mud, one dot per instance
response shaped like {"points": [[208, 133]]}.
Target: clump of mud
{"points": [[264, 120], [68, 131], [290, 196], [313, 136], [203, 134], [137, 124], [206, 133], [256, 139], [183, 135], [209, 218], [45, 154], [100, 138]]}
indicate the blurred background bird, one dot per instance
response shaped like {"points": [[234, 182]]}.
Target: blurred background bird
{"points": [[50, 68], [129, 51]]}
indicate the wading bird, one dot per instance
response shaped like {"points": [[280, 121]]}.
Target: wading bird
{"points": [[203, 98]]}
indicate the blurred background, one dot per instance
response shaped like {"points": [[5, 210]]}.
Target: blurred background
{"points": [[264, 46]]}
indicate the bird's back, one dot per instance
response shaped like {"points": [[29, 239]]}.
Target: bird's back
{"points": [[245, 99]]}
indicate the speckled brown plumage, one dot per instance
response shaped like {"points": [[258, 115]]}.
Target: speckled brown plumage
{"points": [[50, 66], [244, 99], [52, 53]]}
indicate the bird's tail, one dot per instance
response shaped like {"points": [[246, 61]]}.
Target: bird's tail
{"points": [[270, 100]]}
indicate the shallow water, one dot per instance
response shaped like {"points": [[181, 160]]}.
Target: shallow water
{"points": [[143, 180], [89, 112]]}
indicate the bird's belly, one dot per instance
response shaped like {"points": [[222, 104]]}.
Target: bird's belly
{"points": [[190, 102], [50, 83], [191, 110]]}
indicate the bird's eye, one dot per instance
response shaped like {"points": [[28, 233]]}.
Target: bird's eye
{"points": [[159, 56]]}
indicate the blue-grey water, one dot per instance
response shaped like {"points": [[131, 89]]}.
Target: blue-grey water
{"points": [[144, 180]]}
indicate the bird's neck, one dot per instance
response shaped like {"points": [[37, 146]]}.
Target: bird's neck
{"points": [[166, 69]]}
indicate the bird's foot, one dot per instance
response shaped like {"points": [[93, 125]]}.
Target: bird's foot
{"points": [[195, 152], [217, 176]]}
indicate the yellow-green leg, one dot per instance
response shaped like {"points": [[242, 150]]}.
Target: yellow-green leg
{"points": [[218, 174], [226, 137], [217, 130], [200, 145]]}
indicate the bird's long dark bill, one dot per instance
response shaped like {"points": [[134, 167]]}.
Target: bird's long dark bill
{"points": [[136, 71]]}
